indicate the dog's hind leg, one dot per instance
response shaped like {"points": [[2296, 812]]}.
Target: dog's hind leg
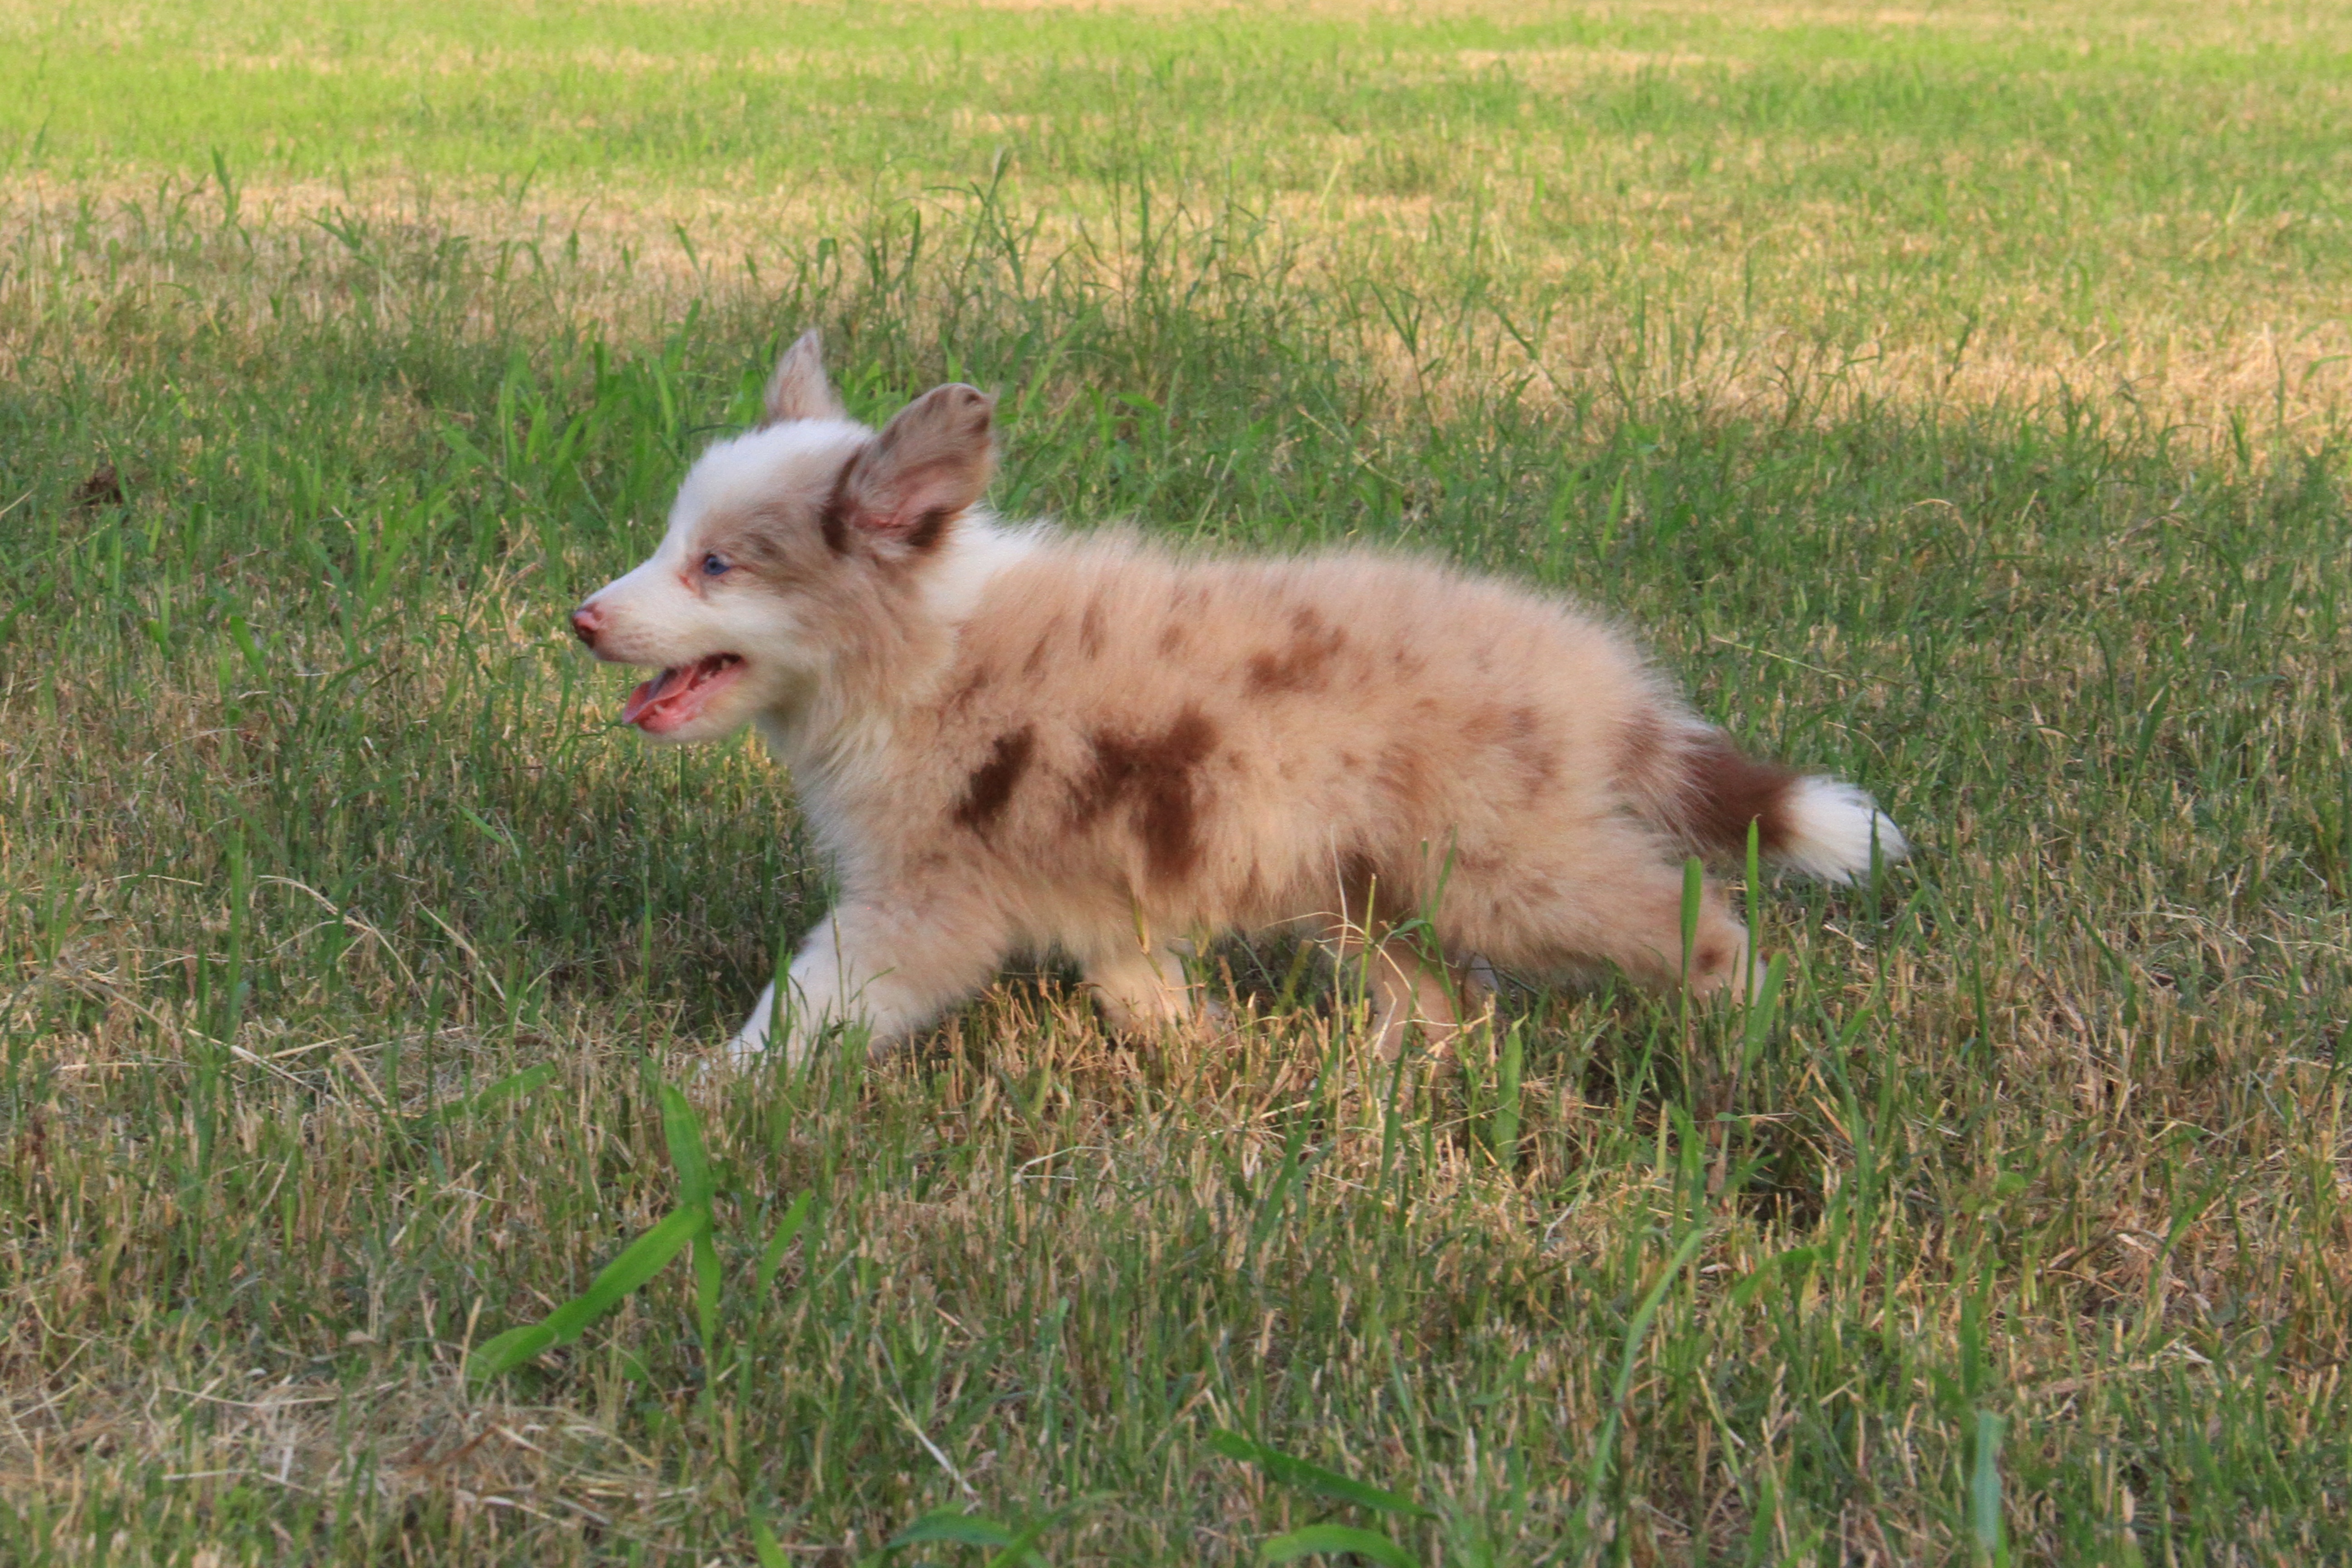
{"points": [[1140, 991], [1618, 901], [1409, 989]]}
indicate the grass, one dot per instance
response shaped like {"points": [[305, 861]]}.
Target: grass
{"points": [[1951, 400], [1981, 205]]}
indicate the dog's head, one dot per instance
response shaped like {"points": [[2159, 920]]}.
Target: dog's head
{"points": [[784, 543]]}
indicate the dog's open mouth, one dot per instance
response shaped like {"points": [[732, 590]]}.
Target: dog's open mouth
{"points": [[678, 696]]}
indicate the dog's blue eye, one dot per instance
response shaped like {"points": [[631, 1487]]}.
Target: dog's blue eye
{"points": [[713, 567]]}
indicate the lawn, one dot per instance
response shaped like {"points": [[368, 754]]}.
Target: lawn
{"points": [[1957, 400]]}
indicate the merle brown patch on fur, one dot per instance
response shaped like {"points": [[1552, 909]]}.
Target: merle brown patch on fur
{"points": [[1724, 790], [931, 528], [1090, 629], [1154, 776], [101, 489], [1037, 653], [1301, 665], [990, 788], [1173, 637]]}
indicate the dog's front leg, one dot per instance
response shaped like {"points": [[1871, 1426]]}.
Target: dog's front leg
{"points": [[887, 968]]}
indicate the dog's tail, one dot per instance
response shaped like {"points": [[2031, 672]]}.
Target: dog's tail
{"points": [[1689, 778]]}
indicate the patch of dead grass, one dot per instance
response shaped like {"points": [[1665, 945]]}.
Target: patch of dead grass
{"points": [[1724, 308]]}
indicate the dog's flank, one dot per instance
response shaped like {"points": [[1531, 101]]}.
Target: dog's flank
{"points": [[1015, 740]]}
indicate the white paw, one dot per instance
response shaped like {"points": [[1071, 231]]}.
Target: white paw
{"points": [[751, 1039]]}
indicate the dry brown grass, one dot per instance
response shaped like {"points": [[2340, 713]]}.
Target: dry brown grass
{"points": [[1721, 309]]}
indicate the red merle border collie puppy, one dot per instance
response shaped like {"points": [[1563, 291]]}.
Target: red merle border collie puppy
{"points": [[1009, 739]]}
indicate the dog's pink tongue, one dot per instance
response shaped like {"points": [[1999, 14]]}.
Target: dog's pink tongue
{"points": [[645, 698]]}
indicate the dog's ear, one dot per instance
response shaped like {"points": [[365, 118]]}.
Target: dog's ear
{"points": [[799, 389], [929, 464]]}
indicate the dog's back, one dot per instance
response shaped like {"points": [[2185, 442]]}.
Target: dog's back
{"points": [[1240, 742]]}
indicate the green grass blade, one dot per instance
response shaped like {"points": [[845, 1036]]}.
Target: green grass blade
{"points": [[1277, 1190], [697, 1187], [765, 1546], [1316, 1540], [1505, 1137], [638, 1262], [1755, 887], [682, 1131], [1759, 1025], [1021, 1548], [1694, 887], [708, 1279], [1984, 1490], [505, 1352], [1778, 1265], [513, 1086], [773, 1259], [8, 621], [952, 1525], [1636, 1331], [1293, 1472]]}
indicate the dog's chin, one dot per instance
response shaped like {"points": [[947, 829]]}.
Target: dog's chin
{"points": [[700, 701]]}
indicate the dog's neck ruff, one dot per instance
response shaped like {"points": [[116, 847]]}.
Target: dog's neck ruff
{"points": [[830, 734]]}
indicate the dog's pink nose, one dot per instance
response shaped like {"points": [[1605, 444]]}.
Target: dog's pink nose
{"points": [[587, 621]]}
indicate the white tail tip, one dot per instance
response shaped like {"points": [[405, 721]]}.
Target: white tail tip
{"points": [[1831, 825]]}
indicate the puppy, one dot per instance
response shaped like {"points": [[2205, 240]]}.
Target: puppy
{"points": [[1009, 739]]}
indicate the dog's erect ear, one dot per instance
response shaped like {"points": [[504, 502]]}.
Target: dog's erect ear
{"points": [[929, 464], [799, 389]]}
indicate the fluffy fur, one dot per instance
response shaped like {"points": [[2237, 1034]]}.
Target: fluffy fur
{"points": [[1015, 740]]}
